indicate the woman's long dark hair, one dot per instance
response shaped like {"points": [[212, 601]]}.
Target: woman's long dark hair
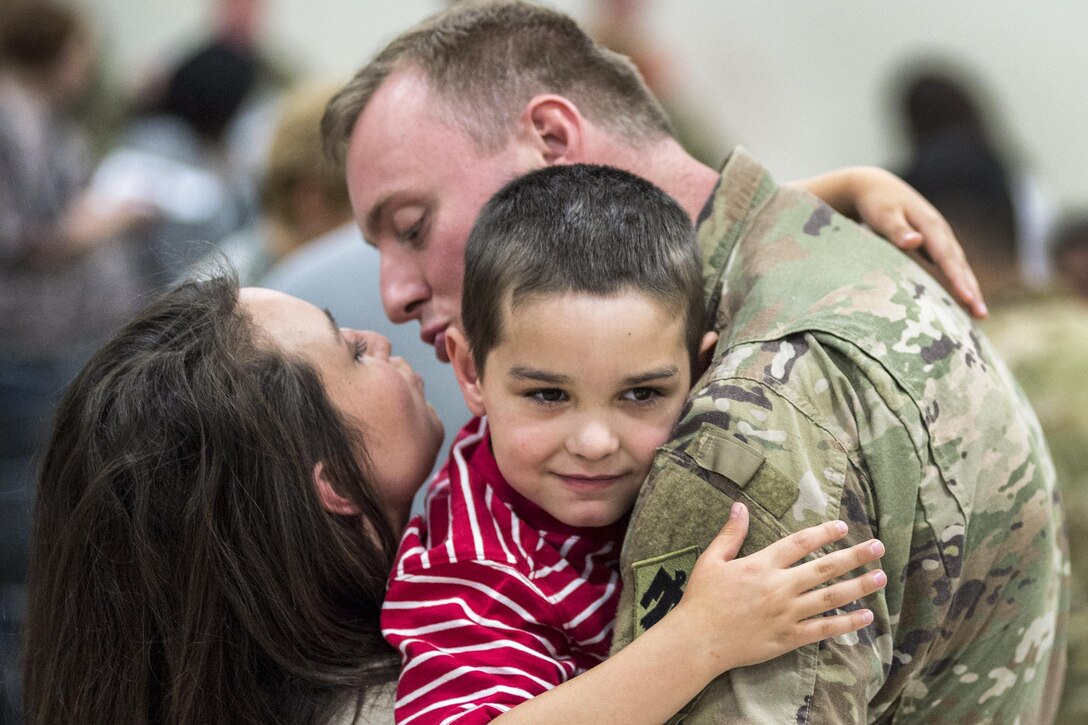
{"points": [[183, 569]]}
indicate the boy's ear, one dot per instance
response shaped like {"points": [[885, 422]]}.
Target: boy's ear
{"points": [[554, 128], [464, 367], [706, 352], [331, 501]]}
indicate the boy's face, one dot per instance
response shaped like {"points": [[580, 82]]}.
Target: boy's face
{"points": [[580, 393]]}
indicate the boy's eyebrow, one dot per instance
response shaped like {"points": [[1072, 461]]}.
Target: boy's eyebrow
{"points": [[651, 375], [540, 376]]}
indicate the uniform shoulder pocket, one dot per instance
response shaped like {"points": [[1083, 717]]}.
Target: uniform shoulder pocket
{"points": [[746, 467]]}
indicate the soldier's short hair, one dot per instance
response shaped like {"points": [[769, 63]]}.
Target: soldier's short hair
{"points": [[486, 60], [585, 229]]}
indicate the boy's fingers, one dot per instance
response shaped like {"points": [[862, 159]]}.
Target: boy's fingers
{"points": [[727, 543], [840, 594], [786, 552], [818, 628], [831, 566]]}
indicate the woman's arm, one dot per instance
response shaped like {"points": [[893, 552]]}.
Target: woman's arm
{"points": [[735, 612], [897, 212]]}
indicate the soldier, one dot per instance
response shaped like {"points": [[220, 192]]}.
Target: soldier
{"points": [[850, 385], [846, 383]]}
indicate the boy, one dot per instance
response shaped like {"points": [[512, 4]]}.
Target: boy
{"points": [[584, 330]]}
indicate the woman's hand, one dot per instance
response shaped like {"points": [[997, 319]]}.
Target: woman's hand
{"points": [[897, 212], [744, 611]]}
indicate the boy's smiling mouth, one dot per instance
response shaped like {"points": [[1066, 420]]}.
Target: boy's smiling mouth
{"points": [[590, 481]]}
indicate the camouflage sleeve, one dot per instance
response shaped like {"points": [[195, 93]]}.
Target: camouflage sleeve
{"points": [[775, 426]]}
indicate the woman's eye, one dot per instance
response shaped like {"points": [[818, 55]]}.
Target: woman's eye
{"points": [[360, 349], [547, 395]]}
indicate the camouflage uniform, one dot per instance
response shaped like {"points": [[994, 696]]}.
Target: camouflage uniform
{"points": [[1044, 339], [846, 384]]}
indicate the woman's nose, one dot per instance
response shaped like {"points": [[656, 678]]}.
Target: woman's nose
{"points": [[378, 345]]}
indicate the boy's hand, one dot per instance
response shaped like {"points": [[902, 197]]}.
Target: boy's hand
{"points": [[745, 611]]}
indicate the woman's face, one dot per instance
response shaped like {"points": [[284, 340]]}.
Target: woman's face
{"points": [[380, 396]]}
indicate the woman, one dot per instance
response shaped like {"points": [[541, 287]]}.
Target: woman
{"points": [[213, 532]]}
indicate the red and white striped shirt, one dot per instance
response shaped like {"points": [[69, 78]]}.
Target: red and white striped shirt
{"points": [[493, 601]]}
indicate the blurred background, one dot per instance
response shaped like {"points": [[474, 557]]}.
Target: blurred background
{"points": [[805, 86], [190, 126]]}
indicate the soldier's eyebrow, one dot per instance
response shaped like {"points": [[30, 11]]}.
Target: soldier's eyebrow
{"points": [[374, 216]]}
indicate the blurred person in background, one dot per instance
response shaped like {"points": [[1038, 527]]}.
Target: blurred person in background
{"points": [[242, 24], [65, 279], [174, 155], [1070, 250], [302, 194], [958, 162]]}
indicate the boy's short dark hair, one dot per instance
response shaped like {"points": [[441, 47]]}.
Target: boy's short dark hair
{"points": [[582, 229]]}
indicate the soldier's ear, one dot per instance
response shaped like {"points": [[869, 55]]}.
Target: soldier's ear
{"points": [[464, 367], [706, 353], [553, 128]]}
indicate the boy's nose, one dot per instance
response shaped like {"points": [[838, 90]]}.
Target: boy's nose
{"points": [[592, 440]]}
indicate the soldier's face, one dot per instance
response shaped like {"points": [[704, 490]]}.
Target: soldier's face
{"points": [[579, 393], [417, 184]]}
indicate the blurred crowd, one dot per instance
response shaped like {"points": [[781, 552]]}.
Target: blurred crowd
{"points": [[216, 159]]}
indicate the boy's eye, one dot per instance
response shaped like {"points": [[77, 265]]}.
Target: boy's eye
{"points": [[642, 395], [547, 395], [360, 349]]}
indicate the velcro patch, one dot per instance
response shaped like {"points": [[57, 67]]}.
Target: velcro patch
{"points": [[725, 455], [744, 466], [659, 584]]}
